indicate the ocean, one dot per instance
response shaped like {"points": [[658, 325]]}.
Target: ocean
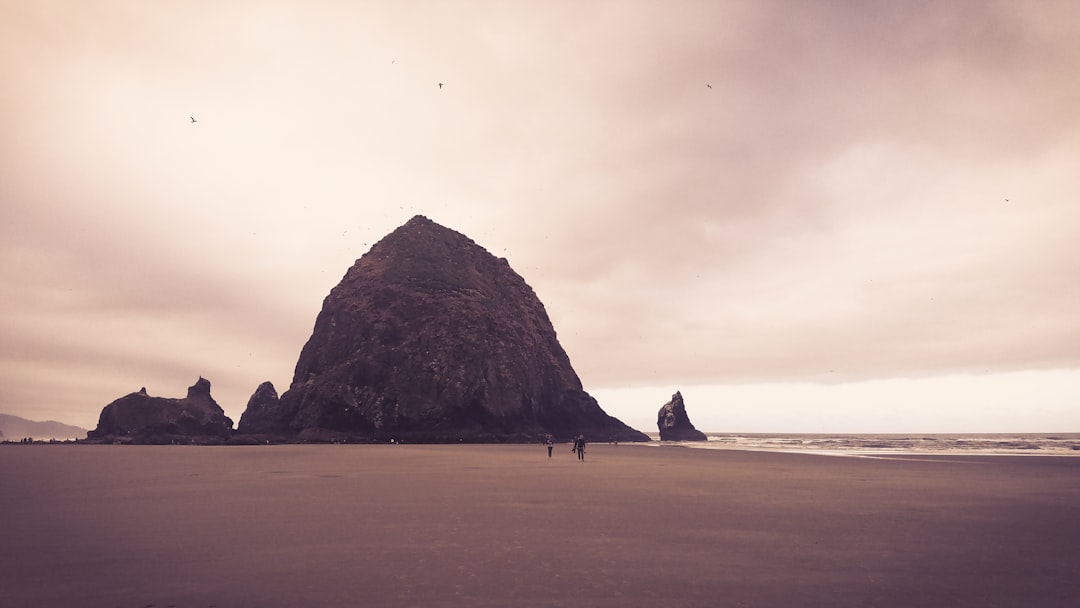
{"points": [[1041, 444]]}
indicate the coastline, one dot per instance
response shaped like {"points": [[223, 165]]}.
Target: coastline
{"points": [[894, 444]]}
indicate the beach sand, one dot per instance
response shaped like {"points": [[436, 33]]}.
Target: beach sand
{"points": [[405, 525]]}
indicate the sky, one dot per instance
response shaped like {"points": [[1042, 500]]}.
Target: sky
{"points": [[820, 216]]}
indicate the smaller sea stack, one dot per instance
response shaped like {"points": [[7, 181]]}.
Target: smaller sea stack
{"points": [[674, 424], [140, 418]]}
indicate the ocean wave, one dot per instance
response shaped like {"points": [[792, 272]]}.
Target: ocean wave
{"points": [[1056, 444]]}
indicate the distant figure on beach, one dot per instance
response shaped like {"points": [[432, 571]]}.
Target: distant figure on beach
{"points": [[550, 443], [579, 447]]}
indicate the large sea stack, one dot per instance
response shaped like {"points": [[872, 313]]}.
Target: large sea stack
{"points": [[430, 338], [140, 418], [674, 423]]}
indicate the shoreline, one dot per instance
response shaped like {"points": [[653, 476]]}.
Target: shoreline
{"points": [[882, 454], [1020, 444]]}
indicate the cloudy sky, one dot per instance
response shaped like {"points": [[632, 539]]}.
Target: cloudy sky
{"points": [[807, 216]]}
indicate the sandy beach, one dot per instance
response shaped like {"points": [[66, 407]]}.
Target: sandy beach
{"points": [[487, 525]]}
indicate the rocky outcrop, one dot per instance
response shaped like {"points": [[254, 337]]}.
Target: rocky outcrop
{"points": [[674, 424], [429, 337], [140, 418], [262, 416]]}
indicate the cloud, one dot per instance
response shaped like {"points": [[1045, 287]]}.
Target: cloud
{"points": [[864, 190]]}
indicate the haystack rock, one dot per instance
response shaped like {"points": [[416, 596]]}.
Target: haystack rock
{"points": [[430, 338], [140, 418], [675, 424]]}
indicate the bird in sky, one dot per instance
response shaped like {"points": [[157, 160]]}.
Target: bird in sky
{"points": [[708, 85], [192, 119], [440, 85]]}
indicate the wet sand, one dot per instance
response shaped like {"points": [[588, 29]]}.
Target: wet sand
{"points": [[90, 526]]}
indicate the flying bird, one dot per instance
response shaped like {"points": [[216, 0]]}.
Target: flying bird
{"points": [[440, 85], [192, 119], [708, 85]]}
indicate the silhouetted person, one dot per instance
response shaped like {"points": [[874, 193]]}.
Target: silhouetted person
{"points": [[550, 443], [579, 446]]}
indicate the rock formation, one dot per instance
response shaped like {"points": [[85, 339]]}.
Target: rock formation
{"points": [[674, 424], [429, 337], [140, 418], [262, 415]]}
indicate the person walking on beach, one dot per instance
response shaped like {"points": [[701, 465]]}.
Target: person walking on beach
{"points": [[550, 443], [579, 447]]}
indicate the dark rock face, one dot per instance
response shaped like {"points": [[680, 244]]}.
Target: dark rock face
{"points": [[140, 418], [262, 414], [674, 424], [429, 337]]}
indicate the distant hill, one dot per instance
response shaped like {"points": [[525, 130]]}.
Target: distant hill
{"points": [[13, 428]]}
